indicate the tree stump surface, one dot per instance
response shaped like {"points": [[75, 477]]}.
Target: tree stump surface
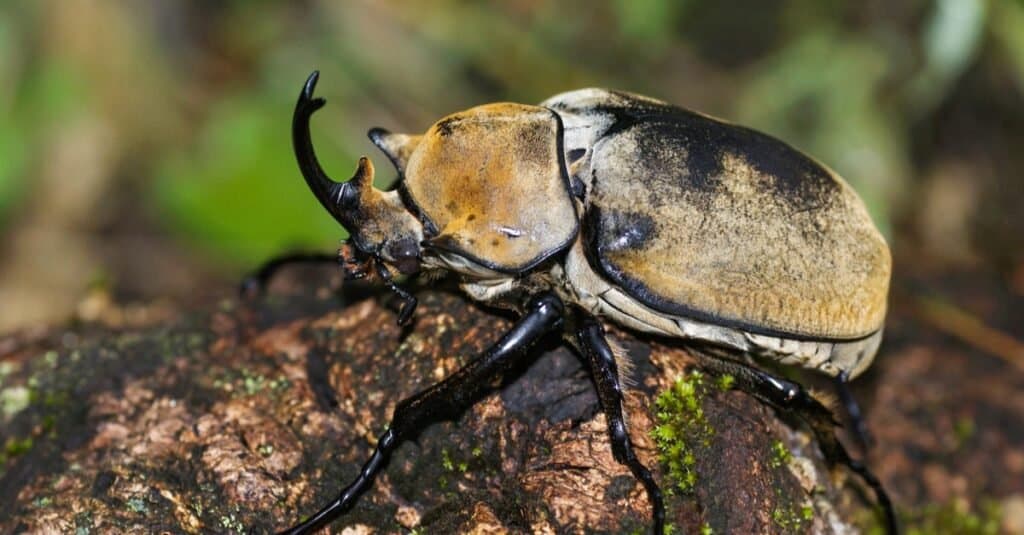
{"points": [[252, 415]]}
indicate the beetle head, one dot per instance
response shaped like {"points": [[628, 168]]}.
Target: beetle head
{"points": [[378, 222]]}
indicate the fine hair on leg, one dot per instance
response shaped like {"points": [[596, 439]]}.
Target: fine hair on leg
{"points": [[600, 358]]}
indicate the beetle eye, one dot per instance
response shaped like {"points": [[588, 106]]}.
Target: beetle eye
{"points": [[406, 255], [576, 154]]}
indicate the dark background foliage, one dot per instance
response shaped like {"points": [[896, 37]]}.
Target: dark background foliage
{"points": [[144, 148]]}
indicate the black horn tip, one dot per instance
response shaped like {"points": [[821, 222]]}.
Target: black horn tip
{"points": [[307, 103], [310, 85], [377, 134]]}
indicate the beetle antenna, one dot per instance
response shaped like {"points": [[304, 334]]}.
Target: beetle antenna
{"points": [[334, 196]]}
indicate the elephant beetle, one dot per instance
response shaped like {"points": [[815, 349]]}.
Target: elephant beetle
{"points": [[605, 204]]}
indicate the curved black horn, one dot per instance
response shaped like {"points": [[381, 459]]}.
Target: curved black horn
{"points": [[333, 196]]}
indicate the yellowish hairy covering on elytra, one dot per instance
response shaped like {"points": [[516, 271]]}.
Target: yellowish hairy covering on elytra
{"points": [[490, 178], [749, 256]]}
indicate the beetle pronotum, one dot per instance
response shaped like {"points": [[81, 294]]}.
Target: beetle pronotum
{"points": [[604, 204]]}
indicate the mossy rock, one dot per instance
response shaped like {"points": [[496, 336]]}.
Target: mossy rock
{"points": [[250, 416]]}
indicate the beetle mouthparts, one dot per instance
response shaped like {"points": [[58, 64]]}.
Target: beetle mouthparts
{"points": [[337, 198]]}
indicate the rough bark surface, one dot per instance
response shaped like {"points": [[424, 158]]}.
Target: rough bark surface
{"points": [[250, 416]]}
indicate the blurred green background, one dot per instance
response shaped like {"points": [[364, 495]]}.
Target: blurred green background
{"points": [[144, 145]]}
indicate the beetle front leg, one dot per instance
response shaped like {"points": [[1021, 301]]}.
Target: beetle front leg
{"points": [[603, 370], [445, 399]]}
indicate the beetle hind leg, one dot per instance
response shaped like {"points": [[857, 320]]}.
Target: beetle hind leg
{"points": [[853, 412], [789, 396], [600, 358]]}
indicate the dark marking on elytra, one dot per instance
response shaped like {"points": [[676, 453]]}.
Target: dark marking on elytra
{"points": [[627, 230], [578, 188], [703, 143], [445, 126], [576, 154]]}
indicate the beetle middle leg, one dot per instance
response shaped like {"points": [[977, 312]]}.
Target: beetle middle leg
{"points": [[789, 396], [443, 400], [603, 370]]}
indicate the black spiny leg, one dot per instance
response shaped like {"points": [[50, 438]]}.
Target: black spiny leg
{"points": [[444, 400], [603, 370], [256, 282], [860, 426], [788, 396]]}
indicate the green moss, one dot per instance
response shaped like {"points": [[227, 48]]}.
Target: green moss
{"points": [[83, 523], [780, 455], [791, 520], [15, 447], [252, 383], [788, 516], [247, 382], [137, 505], [725, 382], [446, 460], [451, 465], [229, 522], [280, 384], [670, 529], [55, 399], [705, 529], [681, 428], [964, 430]]}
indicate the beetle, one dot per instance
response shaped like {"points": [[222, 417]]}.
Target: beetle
{"points": [[600, 204]]}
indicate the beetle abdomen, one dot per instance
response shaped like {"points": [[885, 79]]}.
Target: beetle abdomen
{"points": [[703, 219]]}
